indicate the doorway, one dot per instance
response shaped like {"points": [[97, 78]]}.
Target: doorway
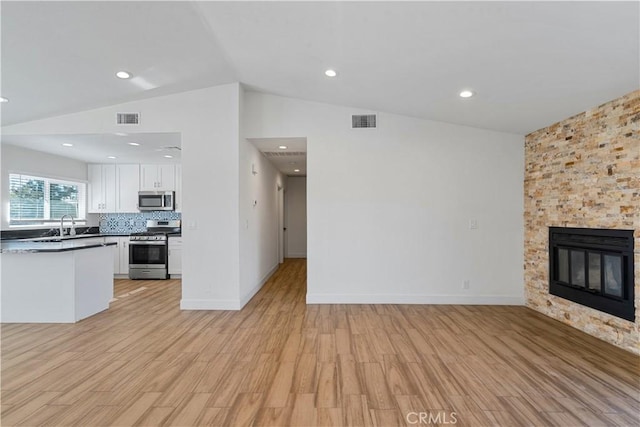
{"points": [[295, 217]]}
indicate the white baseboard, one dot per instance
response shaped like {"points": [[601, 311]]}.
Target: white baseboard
{"points": [[414, 299], [228, 304], [209, 304], [244, 300], [297, 255]]}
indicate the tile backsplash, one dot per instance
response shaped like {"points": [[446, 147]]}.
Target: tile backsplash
{"points": [[126, 223]]}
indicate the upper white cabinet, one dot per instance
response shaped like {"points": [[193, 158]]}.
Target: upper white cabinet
{"points": [[178, 188], [157, 178], [102, 188], [114, 188], [127, 185]]}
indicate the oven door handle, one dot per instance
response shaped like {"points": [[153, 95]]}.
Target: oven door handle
{"points": [[148, 242]]}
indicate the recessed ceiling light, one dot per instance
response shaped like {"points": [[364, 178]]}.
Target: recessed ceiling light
{"points": [[135, 144], [67, 144], [282, 147], [296, 170], [168, 156], [3, 99], [466, 94], [111, 157], [330, 73], [123, 75]]}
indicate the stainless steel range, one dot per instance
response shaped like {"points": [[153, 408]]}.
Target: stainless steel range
{"points": [[148, 251]]}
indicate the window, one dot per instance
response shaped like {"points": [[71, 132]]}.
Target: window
{"points": [[36, 200]]}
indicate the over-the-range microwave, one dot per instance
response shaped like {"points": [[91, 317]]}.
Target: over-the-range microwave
{"points": [[156, 200]]}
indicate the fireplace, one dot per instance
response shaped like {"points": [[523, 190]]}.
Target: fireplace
{"points": [[593, 267]]}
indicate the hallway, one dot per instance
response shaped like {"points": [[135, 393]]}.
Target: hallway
{"points": [[281, 362]]}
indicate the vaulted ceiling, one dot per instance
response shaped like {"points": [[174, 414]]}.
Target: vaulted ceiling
{"points": [[530, 64]]}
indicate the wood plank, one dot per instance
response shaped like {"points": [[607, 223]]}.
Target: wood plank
{"points": [[136, 410], [190, 411], [282, 362]]}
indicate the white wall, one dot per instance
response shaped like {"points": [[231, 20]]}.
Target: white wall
{"points": [[208, 120], [296, 217], [20, 160], [389, 208], [258, 213]]}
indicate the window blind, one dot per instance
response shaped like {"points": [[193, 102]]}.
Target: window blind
{"points": [[37, 200]]}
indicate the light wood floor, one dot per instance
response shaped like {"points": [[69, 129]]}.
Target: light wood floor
{"points": [[281, 362]]}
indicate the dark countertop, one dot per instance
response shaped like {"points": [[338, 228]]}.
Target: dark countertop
{"points": [[58, 239], [15, 247], [44, 232]]}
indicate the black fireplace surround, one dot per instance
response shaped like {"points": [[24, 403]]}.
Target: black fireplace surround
{"points": [[593, 267]]}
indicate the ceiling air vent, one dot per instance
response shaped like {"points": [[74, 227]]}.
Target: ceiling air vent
{"points": [[363, 121], [128, 118]]}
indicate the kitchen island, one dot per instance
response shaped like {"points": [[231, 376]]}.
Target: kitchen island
{"points": [[55, 282]]}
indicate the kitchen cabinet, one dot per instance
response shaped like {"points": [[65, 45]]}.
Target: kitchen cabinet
{"points": [[101, 188], [175, 256], [157, 177], [116, 253], [178, 182], [123, 246], [120, 254], [68, 283], [113, 188], [127, 185]]}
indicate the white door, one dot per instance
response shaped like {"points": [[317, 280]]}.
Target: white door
{"points": [[96, 188], [109, 179], [280, 223], [166, 178], [128, 177], [296, 217], [148, 177]]}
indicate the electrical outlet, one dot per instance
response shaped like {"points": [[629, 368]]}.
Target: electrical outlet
{"points": [[465, 284], [473, 224]]}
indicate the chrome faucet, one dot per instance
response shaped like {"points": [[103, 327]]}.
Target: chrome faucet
{"points": [[72, 231]]}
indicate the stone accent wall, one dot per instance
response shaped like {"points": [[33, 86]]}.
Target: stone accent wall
{"points": [[583, 172]]}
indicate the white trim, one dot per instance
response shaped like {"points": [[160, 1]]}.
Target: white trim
{"points": [[414, 299], [209, 304], [244, 300]]}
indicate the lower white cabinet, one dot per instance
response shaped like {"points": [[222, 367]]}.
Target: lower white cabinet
{"points": [[175, 256], [116, 252], [120, 254], [123, 245]]}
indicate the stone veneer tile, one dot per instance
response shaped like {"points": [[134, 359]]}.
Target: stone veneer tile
{"points": [[583, 172]]}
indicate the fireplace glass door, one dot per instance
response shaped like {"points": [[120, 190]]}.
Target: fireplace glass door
{"points": [[593, 267]]}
